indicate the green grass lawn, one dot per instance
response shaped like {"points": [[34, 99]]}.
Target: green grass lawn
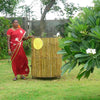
{"points": [[66, 88]]}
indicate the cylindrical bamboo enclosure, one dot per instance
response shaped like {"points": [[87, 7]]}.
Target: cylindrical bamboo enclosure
{"points": [[46, 63]]}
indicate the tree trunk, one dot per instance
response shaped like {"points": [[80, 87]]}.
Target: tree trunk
{"points": [[46, 10]]}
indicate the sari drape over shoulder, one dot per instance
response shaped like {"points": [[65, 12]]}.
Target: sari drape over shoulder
{"points": [[18, 58]]}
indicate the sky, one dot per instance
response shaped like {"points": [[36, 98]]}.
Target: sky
{"points": [[51, 16]]}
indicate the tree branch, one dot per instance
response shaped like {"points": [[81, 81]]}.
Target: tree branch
{"points": [[47, 8]]}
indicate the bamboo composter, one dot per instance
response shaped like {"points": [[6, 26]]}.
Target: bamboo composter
{"points": [[45, 61]]}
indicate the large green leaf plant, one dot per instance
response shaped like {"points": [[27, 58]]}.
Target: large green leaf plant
{"points": [[82, 46]]}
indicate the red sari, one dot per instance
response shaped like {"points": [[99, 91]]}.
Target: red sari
{"points": [[18, 58]]}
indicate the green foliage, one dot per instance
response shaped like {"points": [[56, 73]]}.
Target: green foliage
{"points": [[85, 34], [44, 34], [3, 47], [4, 26], [26, 11], [27, 46], [97, 5], [45, 2], [69, 8], [8, 6]]}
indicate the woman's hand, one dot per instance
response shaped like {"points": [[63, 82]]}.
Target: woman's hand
{"points": [[30, 36], [26, 38]]}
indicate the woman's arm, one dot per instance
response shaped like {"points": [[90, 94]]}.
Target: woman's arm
{"points": [[8, 42], [26, 38]]}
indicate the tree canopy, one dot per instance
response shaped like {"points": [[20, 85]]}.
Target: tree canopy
{"points": [[8, 6]]}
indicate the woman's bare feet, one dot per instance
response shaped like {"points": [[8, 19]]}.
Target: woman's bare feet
{"points": [[23, 77], [15, 79]]}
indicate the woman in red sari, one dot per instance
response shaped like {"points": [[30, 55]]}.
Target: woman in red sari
{"points": [[15, 37]]}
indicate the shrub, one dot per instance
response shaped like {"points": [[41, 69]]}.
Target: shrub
{"points": [[82, 47], [4, 25]]}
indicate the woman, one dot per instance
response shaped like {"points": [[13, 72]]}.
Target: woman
{"points": [[15, 37]]}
